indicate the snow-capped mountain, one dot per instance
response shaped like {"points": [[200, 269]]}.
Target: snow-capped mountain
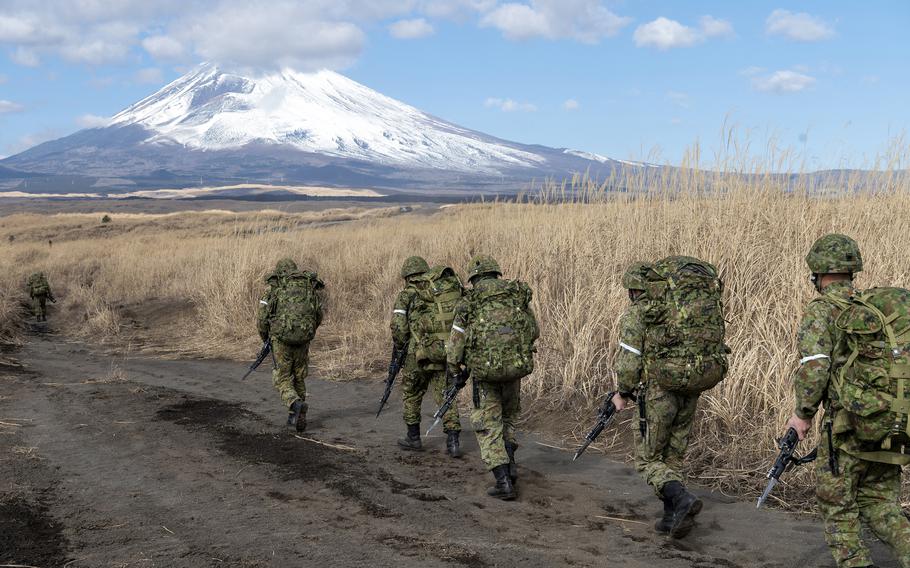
{"points": [[220, 127]]}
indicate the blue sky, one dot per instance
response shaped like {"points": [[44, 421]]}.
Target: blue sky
{"points": [[827, 79]]}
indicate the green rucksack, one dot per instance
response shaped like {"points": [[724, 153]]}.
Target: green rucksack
{"points": [[501, 332], [297, 310], [873, 386], [432, 314], [38, 285], [683, 312]]}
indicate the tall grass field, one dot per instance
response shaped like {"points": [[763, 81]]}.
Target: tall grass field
{"points": [[187, 284]]}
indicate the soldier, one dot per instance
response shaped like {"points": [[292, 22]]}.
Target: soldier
{"points": [[649, 365], [39, 290], [290, 311], [492, 341], [853, 482], [409, 316]]}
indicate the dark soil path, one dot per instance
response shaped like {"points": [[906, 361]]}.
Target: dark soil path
{"points": [[113, 461]]}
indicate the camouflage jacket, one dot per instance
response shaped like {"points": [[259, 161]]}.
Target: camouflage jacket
{"points": [[455, 347], [401, 311], [628, 363], [36, 283], [822, 351]]}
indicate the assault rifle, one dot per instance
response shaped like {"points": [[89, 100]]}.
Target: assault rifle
{"points": [[448, 399], [398, 357], [604, 417], [785, 462], [263, 353]]}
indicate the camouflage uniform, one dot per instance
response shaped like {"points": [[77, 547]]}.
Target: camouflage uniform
{"points": [[665, 416], [862, 490], [659, 454], [416, 380], [291, 361], [497, 404], [40, 292]]}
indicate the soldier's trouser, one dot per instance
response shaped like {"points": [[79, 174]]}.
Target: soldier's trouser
{"points": [[414, 386], [494, 419], [39, 305], [866, 492], [660, 452], [291, 370]]}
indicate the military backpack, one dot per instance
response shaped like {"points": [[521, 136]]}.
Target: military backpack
{"points": [[873, 386], [684, 317], [38, 285], [502, 329], [431, 316], [297, 310]]}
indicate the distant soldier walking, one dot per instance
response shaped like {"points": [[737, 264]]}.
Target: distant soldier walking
{"points": [[855, 359], [492, 341], [421, 320], [671, 349], [290, 311], [39, 290]]}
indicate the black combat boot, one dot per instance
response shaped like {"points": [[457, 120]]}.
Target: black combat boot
{"points": [[411, 441], [301, 420], [663, 525], [685, 507], [503, 488], [297, 415], [513, 467], [453, 446]]}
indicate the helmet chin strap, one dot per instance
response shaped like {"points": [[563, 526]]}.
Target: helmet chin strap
{"points": [[816, 281]]}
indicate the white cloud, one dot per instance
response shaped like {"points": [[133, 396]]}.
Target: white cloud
{"points": [[586, 21], [149, 76], [570, 105], [25, 57], [455, 9], [783, 82], [92, 121], [268, 39], [715, 27], [509, 105], [664, 33], [163, 47], [679, 99], [411, 29], [7, 107], [797, 26]]}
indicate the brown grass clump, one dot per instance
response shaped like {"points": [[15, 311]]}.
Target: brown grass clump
{"points": [[572, 248]]}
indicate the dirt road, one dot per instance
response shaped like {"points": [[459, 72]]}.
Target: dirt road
{"points": [[112, 461]]}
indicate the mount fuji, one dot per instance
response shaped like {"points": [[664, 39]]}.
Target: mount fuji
{"points": [[219, 128]]}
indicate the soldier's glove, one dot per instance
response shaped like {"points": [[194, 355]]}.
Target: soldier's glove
{"points": [[459, 378]]}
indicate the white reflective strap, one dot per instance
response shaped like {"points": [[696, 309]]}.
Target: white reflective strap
{"points": [[805, 360], [402, 312], [263, 302], [629, 348], [458, 329]]}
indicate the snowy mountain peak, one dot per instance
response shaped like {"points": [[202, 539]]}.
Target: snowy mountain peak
{"points": [[323, 113]]}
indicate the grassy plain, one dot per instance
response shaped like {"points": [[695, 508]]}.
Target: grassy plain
{"points": [[186, 284]]}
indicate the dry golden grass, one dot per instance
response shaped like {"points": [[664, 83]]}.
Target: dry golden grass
{"points": [[571, 252]]}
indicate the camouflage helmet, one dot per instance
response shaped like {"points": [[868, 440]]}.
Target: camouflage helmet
{"points": [[483, 264], [634, 277], [834, 254], [284, 266], [414, 265]]}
